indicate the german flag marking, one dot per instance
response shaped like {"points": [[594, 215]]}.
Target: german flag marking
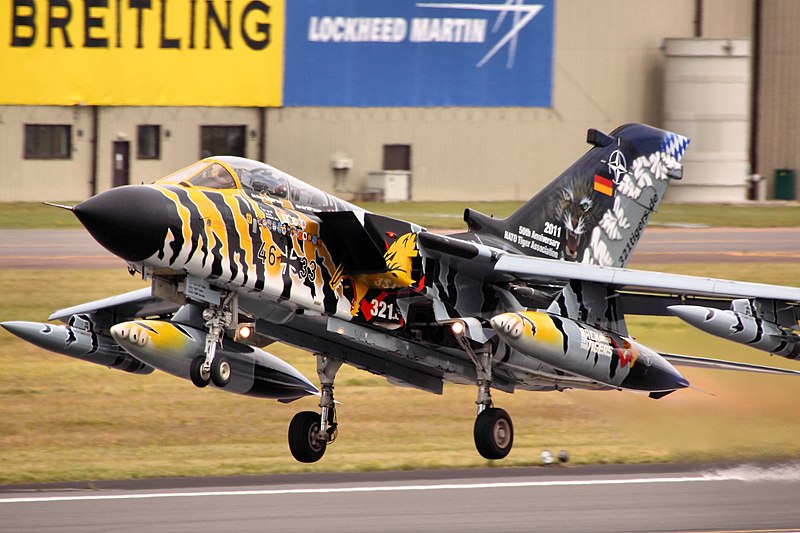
{"points": [[603, 185]]}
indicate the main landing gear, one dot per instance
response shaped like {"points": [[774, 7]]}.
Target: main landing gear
{"points": [[208, 367], [309, 432], [493, 431]]}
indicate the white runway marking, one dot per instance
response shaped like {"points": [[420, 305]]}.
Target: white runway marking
{"points": [[344, 490]]}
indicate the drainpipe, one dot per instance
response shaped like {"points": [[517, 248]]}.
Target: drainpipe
{"points": [[698, 18], [262, 134], [755, 86], [95, 150]]}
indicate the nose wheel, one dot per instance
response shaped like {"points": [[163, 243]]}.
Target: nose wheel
{"points": [[198, 374], [209, 368], [221, 371]]}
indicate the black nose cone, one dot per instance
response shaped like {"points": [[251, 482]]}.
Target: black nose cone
{"points": [[130, 222]]}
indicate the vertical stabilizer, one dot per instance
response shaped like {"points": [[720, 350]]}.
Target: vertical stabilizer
{"points": [[596, 210]]}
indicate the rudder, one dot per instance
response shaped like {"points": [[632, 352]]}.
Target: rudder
{"points": [[596, 210]]}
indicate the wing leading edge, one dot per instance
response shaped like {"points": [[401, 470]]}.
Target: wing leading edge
{"points": [[719, 364]]}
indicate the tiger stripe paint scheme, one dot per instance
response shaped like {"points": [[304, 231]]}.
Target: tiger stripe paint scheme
{"points": [[171, 347], [579, 348], [243, 240], [229, 238]]}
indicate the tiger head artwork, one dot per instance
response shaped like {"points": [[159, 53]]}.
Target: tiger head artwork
{"points": [[574, 211]]}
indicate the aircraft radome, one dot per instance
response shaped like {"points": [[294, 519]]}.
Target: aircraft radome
{"points": [[240, 254]]}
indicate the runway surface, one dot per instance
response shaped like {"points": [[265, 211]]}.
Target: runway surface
{"points": [[729, 245], [76, 249], [643, 498], [53, 249], [594, 499]]}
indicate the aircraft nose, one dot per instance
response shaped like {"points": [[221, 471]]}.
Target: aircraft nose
{"points": [[130, 222]]}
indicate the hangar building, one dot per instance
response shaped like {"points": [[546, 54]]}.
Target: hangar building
{"points": [[483, 103]]}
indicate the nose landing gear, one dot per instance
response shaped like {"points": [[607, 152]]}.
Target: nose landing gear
{"points": [[205, 368]]}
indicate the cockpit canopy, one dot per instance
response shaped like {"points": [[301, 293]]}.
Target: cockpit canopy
{"points": [[255, 178]]}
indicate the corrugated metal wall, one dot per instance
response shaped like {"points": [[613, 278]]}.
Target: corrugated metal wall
{"points": [[608, 70], [727, 19], [778, 118]]}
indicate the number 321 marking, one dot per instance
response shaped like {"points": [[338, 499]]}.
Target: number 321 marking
{"points": [[380, 309]]}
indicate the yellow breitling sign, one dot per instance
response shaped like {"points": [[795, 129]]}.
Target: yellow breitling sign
{"points": [[142, 52]]}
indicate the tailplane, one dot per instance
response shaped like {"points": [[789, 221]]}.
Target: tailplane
{"points": [[596, 210]]}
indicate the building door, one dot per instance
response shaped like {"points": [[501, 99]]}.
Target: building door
{"points": [[120, 174], [397, 167]]}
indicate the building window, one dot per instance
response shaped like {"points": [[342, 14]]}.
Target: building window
{"points": [[148, 141], [396, 157], [48, 141], [222, 140]]}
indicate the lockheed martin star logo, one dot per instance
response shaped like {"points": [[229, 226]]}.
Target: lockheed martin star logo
{"points": [[522, 14]]}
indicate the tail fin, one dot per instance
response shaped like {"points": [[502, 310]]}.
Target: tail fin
{"points": [[595, 211]]}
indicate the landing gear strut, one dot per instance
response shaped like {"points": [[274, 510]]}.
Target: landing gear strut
{"points": [[493, 431], [205, 368], [309, 432]]}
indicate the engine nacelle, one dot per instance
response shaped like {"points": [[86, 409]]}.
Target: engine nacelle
{"points": [[741, 327], [78, 343], [587, 351], [172, 347]]}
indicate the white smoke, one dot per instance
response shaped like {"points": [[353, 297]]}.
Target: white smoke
{"points": [[775, 472]]}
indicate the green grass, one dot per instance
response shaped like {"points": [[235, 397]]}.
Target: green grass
{"points": [[34, 215], [449, 215], [744, 216], [446, 215], [63, 419]]}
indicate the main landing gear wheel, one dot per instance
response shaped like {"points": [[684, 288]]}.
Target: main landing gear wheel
{"points": [[199, 377], [494, 433], [304, 441], [221, 371]]}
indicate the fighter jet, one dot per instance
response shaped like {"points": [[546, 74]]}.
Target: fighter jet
{"points": [[240, 254]]}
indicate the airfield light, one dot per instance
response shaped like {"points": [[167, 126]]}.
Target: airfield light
{"points": [[457, 327]]}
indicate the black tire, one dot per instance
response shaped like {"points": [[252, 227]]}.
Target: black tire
{"points": [[221, 371], [494, 433], [304, 445], [196, 374]]}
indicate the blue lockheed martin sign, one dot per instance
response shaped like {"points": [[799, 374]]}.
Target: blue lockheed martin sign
{"points": [[401, 53]]}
